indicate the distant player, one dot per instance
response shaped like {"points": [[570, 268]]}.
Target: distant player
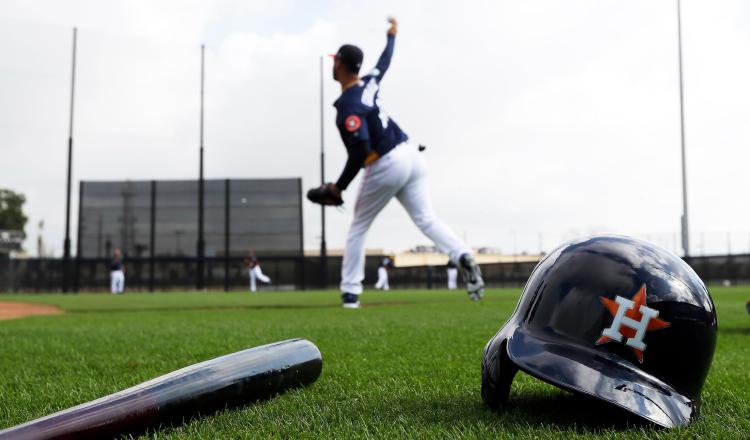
{"points": [[382, 282], [256, 274], [117, 273], [452, 272], [394, 168]]}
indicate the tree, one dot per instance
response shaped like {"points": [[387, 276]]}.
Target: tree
{"points": [[12, 217]]}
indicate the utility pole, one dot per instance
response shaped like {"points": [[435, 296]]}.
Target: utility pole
{"points": [[323, 248], [66, 243], [685, 224], [199, 284]]}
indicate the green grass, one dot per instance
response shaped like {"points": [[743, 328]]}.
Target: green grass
{"points": [[408, 367]]}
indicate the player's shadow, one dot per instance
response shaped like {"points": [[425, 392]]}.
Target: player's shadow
{"points": [[570, 412]]}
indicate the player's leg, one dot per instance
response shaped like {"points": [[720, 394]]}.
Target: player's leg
{"points": [[118, 281], [253, 283], [386, 287], [261, 276], [415, 197], [113, 282], [381, 182], [452, 276], [122, 282], [381, 278]]}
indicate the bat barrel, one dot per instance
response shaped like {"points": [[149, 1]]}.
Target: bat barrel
{"points": [[227, 381]]}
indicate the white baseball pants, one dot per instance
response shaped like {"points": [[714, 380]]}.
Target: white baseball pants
{"points": [[117, 281], [257, 275], [452, 278], [382, 282], [402, 173]]}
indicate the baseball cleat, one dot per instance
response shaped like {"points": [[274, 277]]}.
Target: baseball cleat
{"points": [[349, 301], [472, 276]]}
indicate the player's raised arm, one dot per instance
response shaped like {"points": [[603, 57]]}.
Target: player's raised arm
{"points": [[385, 58]]}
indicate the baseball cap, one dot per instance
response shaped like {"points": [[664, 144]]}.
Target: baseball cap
{"points": [[351, 56]]}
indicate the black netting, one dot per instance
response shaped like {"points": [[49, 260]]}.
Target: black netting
{"points": [[266, 217], [263, 216], [112, 215], [176, 218]]}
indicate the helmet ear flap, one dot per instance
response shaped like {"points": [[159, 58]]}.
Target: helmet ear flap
{"points": [[498, 372]]}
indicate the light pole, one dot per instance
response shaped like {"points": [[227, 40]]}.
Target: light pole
{"points": [[323, 248], [66, 243], [201, 243], [684, 222]]}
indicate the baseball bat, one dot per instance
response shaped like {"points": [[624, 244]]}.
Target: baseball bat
{"points": [[227, 381]]}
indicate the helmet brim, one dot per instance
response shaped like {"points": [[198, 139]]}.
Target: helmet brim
{"points": [[600, 375]]}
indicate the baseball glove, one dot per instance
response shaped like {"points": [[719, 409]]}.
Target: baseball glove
{"points": [[326, 195]]}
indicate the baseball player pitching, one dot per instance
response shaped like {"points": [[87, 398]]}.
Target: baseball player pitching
{"points": [[393, 168], [256, 274]]}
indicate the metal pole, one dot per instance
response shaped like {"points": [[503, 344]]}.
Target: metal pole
{"points": [[152, 238], [201, 244], [729, 243], [79, 234], [226, 234], [685, 228], [301, 264], [323, 248], [66, 243]]}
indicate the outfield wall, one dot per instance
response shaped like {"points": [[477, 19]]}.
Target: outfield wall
{"points": [[287, 273]]}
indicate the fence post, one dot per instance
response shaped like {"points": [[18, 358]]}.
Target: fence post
{"points": [[226, 234], [152, 238], [301, 272], [77, 270]]}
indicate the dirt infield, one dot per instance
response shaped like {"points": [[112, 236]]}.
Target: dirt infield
{"points": [[13, 310]]}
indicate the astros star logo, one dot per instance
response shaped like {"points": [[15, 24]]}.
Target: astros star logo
{"points": [[352, 123], [632, 319]]}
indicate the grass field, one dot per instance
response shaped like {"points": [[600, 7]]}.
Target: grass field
{"points": [[408, 366]]}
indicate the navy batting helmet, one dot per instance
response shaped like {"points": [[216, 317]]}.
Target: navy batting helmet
{"points": [[614, 318]]}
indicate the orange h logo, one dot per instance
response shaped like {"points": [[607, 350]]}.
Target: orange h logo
{"points": [[632, 319]]}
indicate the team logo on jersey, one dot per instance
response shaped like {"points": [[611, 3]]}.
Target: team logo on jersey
{"points": [[352, 123], [632, 319]]}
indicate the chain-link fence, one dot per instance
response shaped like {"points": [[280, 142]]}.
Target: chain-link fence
{"points": [[160, 218], [289, 273]]}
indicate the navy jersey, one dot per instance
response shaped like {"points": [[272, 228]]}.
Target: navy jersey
{"points": [[116, 263], [360, 117]]}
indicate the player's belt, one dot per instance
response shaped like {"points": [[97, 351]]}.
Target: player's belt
{"points": [[372, 156]]}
